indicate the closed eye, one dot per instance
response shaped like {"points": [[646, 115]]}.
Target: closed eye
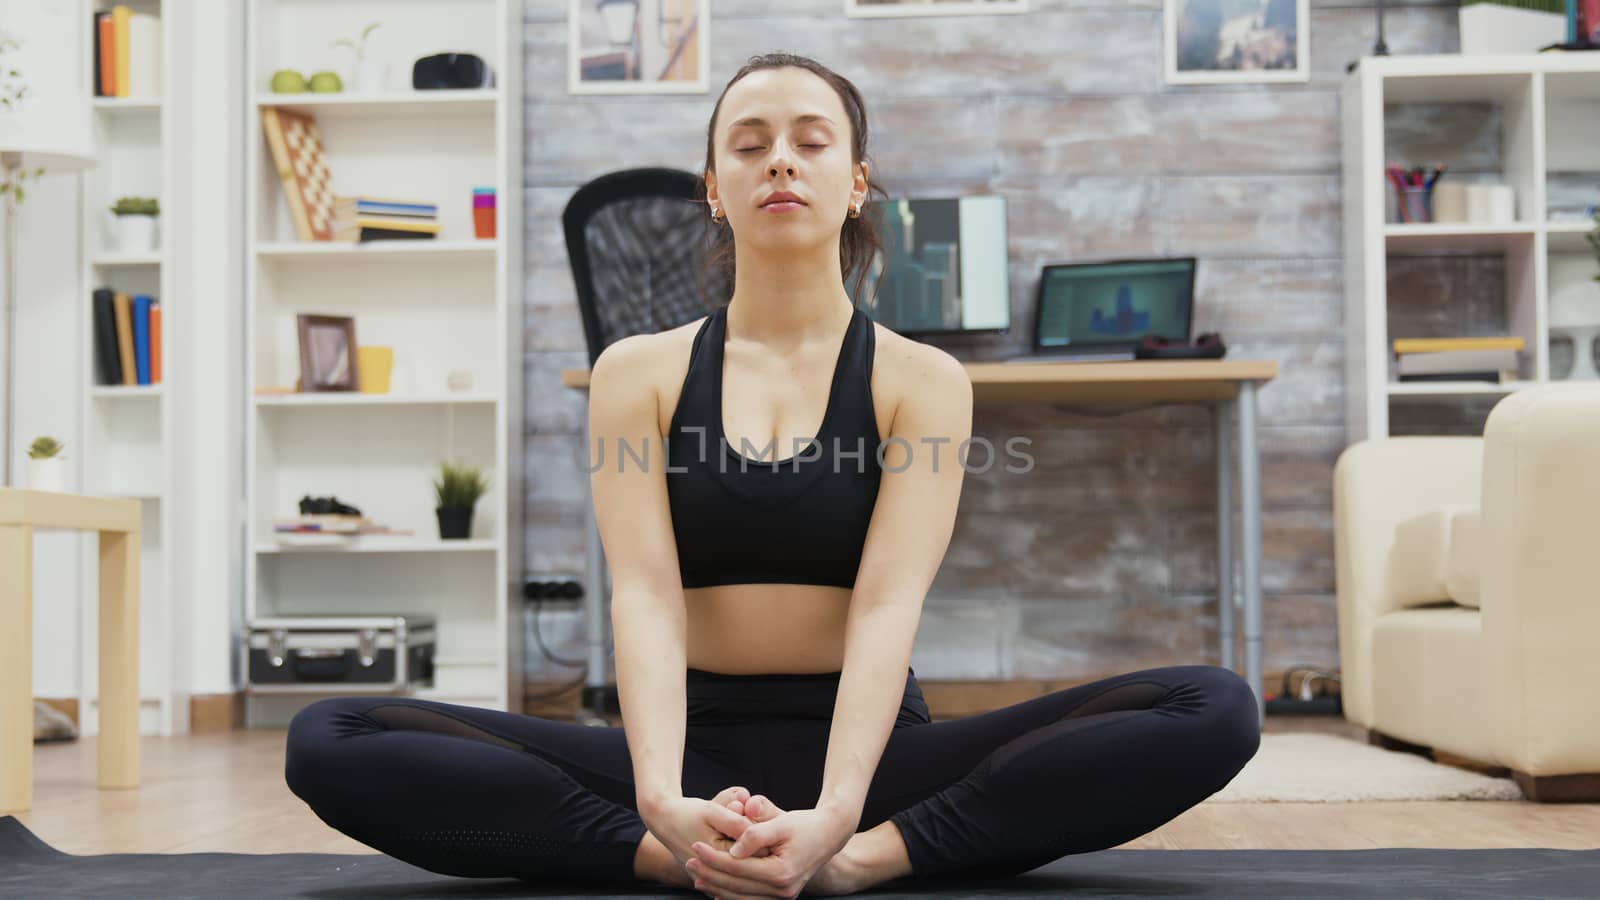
{"points": [[753, 149]]}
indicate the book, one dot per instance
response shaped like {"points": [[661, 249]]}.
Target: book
{"points": [[390, 234], [104, 62], [1488, 375], [122, 303], [1445, 361], [343, 206], [1435, 345], [155, 342], [108, 367], [141, 338], [119, 36], [144, 55]]}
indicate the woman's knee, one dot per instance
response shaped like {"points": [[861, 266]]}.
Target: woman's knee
{"points": [[1232, 712], [312, 750]]}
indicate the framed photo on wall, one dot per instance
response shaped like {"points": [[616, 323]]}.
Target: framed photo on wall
{"points": [[327, 352], [638, 46], [1223, 41], [880, 9]]}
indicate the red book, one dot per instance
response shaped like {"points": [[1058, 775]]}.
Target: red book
{"points": [[108, 57], [155, 342]]}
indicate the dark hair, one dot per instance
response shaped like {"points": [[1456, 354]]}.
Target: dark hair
{"points": [[859, 240]]}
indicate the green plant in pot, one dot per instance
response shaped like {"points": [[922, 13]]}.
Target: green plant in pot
{"points": [[136, 223], [46, 465], [457, 490]]}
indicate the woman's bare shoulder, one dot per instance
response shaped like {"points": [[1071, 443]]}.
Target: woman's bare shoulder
{"points": [[655, 361], [905, 368]]}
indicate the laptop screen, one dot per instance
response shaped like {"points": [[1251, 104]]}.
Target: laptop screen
{"points": [[1107, 305]]}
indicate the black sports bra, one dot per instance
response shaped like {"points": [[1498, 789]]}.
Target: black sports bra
{"points": [[797, 520]]}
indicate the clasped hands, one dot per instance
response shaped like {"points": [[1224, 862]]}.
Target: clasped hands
{"points": [[760, 850]]}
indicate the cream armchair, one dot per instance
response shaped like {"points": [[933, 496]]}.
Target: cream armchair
{"points": [[1468, 579]]}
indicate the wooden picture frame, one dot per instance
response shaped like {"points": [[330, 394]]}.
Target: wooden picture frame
{"points": [[327, 353]]}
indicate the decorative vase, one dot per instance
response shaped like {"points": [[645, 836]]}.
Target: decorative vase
{"points": [[372, 76], [47, 474], [1575, 316], [455, 522], [136, 234]]}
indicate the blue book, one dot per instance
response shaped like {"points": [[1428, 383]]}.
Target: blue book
{"points": [[141, 337]]}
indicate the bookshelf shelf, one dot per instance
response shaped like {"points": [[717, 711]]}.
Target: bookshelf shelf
{"points": [[115, 260], [333, 398], [128, 104], [1454, 388], [413, 104], [119, 391], [384, 544], [447, 307], [384, 251], [1543, 107]]}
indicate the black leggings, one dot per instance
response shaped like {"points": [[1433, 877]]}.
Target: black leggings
{"points": [[466, 791]]}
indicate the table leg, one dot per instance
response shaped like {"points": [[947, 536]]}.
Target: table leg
{"points": [[1225, 599], [1250, 537], [119, 659], [16, 668]]}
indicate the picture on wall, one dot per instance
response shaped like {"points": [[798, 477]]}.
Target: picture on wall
{"points": [[1219, 41], [873, 9], [638, 46]]}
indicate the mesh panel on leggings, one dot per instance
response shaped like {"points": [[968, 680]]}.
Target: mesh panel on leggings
{"points": [[645, 254], [479, 852]]}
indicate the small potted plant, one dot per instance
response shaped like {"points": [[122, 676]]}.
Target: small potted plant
{"points": [[457, 490], [136, 223], [368, 74], [46, 466]]}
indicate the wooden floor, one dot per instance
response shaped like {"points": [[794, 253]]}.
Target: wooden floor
{"points": [[225, 792]]}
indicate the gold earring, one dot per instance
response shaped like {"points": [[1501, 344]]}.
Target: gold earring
{"points": [[855, 212]]}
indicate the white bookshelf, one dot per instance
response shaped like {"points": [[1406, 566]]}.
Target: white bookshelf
{"points": [[1549, 107], [127, 431], [446, 304]]}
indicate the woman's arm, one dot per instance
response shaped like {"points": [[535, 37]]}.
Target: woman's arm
{"points": [[647, 605], [912, 521]]}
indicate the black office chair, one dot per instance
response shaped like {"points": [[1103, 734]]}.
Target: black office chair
{"points": [[636, 240]]}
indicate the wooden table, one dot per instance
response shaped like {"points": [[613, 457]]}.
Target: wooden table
{"points": [[117, 520], [1228, 386]]}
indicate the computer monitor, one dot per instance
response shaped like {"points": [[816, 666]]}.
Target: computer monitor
{"points": [[943, 269], [1112, 305]]}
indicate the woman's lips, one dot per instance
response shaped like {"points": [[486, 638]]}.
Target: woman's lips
{"points": [[782, 206]]}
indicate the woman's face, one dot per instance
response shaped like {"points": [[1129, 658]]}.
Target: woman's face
{"points": [[784, 130]]}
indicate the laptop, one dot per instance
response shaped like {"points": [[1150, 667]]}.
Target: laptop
{"points": [[1097, 311]]}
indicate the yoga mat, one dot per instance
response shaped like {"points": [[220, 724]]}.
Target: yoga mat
{"points": [[31, 868]]}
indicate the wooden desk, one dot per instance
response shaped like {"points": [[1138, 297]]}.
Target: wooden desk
{"points": [[1229, 386], [117, 521]]}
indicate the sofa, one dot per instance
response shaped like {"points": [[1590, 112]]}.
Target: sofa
{"points": [[1468, 582]]}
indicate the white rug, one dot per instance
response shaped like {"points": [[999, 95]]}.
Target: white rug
{"points": [[1325, 768]]}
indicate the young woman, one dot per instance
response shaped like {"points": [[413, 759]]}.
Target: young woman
{"points": [[768, 576]]}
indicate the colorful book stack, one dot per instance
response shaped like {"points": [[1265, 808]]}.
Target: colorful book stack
{"points": [[375, 219], [127, 53], [1458, 359], [127, 338]]}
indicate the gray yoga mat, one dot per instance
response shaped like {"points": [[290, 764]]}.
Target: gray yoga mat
{"points": [[31, 868]]}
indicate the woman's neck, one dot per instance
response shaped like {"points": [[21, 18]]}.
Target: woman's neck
{"points": [[790, 296]]}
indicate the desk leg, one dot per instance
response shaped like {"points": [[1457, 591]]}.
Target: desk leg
{"points": [[1250, 539], [119, 659], [16, 668], [594, 590], [1224, 438]]}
